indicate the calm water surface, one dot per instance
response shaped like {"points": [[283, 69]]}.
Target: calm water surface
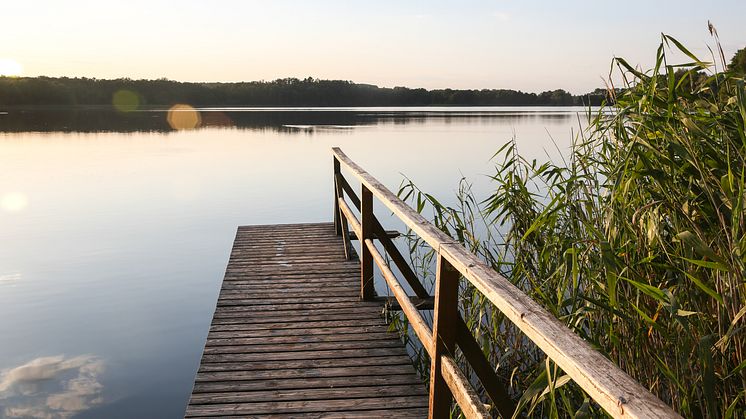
{"points": [[116, 228]]}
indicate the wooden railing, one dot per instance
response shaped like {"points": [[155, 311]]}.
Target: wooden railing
{"points": [[614, 390]]}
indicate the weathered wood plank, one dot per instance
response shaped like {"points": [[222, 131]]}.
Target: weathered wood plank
{"points": [[247, 274], [300, 254], [462, 391], [263, 227], [350, 217], [304, 406], [333, 330], [338, 354], [313, 323], [390, 412], [281, 267], [367, 289], [284, 294], [254, 318], [283, 260], [302, 339], [421, 329], [290, 336], [331, 313], [240, 375], [283, 282], [336, 303], [404, 413], [308, 394], [495, 388], [232, 302], [307, 346], [445, 316], [305, 363], [286, 235], [283, 270], [325, 382], [247, 290], [283, 289]]}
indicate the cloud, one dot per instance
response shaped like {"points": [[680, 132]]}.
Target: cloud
{"points": [[51, 387]]}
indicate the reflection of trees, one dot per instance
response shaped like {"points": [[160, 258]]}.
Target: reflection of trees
{"points": [[109, 120]]}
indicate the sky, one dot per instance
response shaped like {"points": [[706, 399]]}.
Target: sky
{"points": [[525, 45]]}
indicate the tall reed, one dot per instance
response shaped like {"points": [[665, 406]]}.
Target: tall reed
{"points": [[636, 243]]}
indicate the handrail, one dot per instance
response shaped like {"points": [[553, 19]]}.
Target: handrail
{"points": [[386, 242], [612, 388]]}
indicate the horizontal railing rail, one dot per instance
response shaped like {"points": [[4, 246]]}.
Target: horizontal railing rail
{"points": [[613, 389]]}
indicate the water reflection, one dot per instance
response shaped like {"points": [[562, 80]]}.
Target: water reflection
{"points": [[290, 120], [51, 387], [137, 227], [10, 277]]}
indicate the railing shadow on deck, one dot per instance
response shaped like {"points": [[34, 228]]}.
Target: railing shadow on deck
{"points": [[618, 393]]}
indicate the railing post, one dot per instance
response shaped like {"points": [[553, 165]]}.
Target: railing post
{"points": [[337, 188], [340, 221], [367, 291], [445, 316]]}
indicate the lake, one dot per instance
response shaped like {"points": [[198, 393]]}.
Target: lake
{"points": [[116, 228]]}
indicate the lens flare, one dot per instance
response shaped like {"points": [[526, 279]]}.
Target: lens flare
{"points": [[9, 67], [13, 202], [125, 100], [183, 117]]}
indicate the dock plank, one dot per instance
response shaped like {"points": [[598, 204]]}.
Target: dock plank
{"points": [[290, 336], [291, 407]]}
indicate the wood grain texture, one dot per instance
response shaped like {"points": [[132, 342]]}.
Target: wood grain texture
{"points": [[293, 407], [495, 388], [384, 237], [290, 336], [418, 324], [465, 396], [367, 292], [445, 316]]}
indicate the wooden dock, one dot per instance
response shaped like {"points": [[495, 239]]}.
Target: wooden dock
{"points": [[291, 337], [298, 332]]}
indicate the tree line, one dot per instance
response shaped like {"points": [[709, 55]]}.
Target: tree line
{"points": [[65, 91]]}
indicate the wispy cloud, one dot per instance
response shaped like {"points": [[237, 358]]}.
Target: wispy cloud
{"points": [[51, 387]]}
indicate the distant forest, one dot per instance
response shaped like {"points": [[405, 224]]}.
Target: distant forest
{"points": [[63, 91]]}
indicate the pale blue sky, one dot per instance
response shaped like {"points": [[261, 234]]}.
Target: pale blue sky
{"points": [[528, 45]]}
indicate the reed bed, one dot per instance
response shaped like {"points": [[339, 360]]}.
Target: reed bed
{"points": [[636, 243]]}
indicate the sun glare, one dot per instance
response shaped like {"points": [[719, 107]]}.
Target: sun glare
{"points": [[13, 202], [10, 67]]}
